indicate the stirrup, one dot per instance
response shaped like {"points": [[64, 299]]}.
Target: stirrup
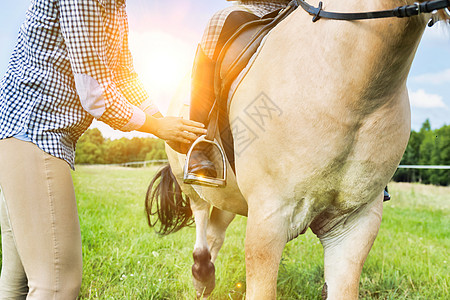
{"points": [[192, 178]]}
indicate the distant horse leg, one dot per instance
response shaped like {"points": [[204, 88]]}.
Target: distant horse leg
{"points": [[210, 230], [264, 244], [346, 247], [203, 271], [218, 224]]}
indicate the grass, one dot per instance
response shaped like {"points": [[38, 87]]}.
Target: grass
{"points": [[125, 259]]}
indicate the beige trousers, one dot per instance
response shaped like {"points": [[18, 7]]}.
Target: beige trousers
{"points": [[41, 239]]}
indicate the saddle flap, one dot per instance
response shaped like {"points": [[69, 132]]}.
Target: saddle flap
{"points": [[240, 47], [232, 59], [237, 47]]}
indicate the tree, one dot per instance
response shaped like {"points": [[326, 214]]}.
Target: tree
{"points": [[93, 148], [116, 151], [441, 156], [427, 147], [89, 148]]}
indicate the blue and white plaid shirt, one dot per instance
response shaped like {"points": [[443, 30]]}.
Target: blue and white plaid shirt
{"points": [[71, 63]]}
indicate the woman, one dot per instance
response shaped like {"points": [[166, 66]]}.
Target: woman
{"points": [[71, 64], [220, 27]]}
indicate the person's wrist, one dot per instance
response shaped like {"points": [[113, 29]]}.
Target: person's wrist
{"points": [[154, 124], [151, 125]]}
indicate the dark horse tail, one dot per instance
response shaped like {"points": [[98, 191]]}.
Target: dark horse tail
{"points": [[166, 204]]}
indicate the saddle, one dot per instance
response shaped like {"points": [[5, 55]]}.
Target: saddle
{"points": [[232, 58]]}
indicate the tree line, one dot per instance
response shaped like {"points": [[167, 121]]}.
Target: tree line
{"points": [[425, 147], [93, 148]]}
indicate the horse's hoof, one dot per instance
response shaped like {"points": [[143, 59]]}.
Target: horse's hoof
{"points": [[202, 296], [203, 269], [325, 291], [204, 288], [203, 273]]}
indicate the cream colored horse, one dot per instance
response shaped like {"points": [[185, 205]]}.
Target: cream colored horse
{"points": [[320, 122]]}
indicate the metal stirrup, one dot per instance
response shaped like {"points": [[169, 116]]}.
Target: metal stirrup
{"points": [[192, 178]]}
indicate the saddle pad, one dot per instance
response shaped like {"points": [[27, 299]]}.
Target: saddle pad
{"points": [[234, 61]]}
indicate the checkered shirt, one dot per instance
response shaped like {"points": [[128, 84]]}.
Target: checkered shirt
{"points": [[215, 24], [59, 42]]}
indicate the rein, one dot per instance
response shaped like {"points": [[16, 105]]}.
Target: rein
{"points": [[399, 12]]}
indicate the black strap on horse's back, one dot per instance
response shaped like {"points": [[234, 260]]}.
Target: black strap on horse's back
{"points": [[399, 12]]}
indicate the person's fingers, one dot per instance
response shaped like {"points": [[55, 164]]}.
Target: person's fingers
{"points": [[194, 129], [183, 140], [192, 123], [188, 135]]}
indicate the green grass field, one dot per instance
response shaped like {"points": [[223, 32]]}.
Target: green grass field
{"points": [[125, 259]]}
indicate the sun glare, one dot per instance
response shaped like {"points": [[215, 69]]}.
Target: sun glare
{"points": [[162, 62]]}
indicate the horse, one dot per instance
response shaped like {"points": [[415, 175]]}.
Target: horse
{"points": [[320, 120]]}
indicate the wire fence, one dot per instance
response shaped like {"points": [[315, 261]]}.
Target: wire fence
{"points": [[164, 161], [146, 163], [423, 167]]}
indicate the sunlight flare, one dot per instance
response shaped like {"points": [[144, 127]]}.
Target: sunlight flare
{"points": [[162, 62]]}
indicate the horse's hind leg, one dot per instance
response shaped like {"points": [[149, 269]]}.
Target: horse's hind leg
{"points": [[209, 228], [346, 247]]}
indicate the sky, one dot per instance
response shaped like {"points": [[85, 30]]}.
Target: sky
{"points": [[165, 34]]}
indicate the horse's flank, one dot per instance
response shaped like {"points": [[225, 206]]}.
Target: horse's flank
{"points": [[340, 87]]}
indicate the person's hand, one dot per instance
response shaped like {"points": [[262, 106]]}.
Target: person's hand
{"points": [[174, 129], [177, 132]]}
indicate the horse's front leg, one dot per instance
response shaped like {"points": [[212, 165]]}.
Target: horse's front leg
{"points": [[346, 247], [264, 243]]}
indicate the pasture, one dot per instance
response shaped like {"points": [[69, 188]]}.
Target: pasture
{"points": [[125, 259]]}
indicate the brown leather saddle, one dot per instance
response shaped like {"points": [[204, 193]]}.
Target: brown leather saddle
{"points": [[241, 36]]}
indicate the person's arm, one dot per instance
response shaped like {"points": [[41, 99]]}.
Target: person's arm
{"points": [[84, 28], [106, 91]]}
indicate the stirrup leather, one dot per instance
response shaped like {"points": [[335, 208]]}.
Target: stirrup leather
{"points": [[218, 159]]}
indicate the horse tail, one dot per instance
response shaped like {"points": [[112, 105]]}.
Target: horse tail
{"points": [[166, 201]]}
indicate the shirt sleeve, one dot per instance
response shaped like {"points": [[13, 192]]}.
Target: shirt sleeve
{"points": [[95, 33], [129, 83]]}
